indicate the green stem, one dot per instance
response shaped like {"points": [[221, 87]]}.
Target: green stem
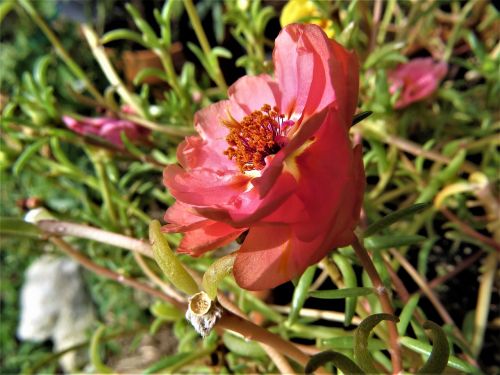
{"points": [[105, 190], [61, 51], [168, 65], [108, 70], [205, 46], [483, 302]]}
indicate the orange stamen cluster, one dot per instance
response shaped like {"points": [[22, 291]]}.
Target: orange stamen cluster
{"points": [[255, 137]]}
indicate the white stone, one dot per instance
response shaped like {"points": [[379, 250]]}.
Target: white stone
{"points": [[56, 306]]}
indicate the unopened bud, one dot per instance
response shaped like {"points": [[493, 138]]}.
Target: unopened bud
{"points": [[203, 313]]}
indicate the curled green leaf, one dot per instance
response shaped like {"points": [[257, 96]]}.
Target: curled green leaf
{"points": [[120, 34], [214, 275], [440, 351], [340, 361], [361, 352], [95, 357], [168, 262]]}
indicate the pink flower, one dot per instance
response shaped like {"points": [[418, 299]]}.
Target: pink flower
{"points": [[107, 128], [274, 163], [417, 80]]}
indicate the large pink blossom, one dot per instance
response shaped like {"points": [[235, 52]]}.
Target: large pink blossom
{"points": [[416, 80], [107, 128], [274, 164]]}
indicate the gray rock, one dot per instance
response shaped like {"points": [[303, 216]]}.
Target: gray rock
{"points": [[56, 306]]}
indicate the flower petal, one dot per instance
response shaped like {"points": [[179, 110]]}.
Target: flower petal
{"points": [[272, 255], [248, 207], [203, 186], [194, 152], [209, 123], [252, 92], [181, 217], [208, 237], [314, 71]]}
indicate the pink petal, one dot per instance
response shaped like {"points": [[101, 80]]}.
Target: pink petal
{"points": [[208, 237], [248, 207], [272, 255], [181, 217], [263, 260], [314, 71], [252, 92], [194, 152], [203, 186], [209, 123], [417, 80]]}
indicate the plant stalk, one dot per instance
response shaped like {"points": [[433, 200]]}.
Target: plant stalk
{"points": [[205, 46], [383, 295]]}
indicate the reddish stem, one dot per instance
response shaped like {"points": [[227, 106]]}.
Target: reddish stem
{"points": [[385, 302]]}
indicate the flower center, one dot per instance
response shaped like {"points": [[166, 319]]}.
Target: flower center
{"points": [[259, 134]]}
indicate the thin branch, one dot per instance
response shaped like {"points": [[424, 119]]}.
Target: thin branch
{"points": [[456, 270], [467, 229], [64, 228], [167, 289], [104, 272]]}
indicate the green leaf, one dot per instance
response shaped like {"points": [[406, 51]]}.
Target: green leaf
{"points": [[444, 176], [361, 352], [40, 70], [5, 8], [342, 293], [242, 347], [222, 52], [27, 154], [120, 34], [381, 54], [360, 117], [149, 72], [214, 274], [426, 349], [95, 357], [148, 34], [386, 242], [168, 262], [347, 342], [300, 293], [340, 361], [166, 311], [18, 227], [440, 351], [165, 362], [407, 313], [395, 217], [350, 281]]}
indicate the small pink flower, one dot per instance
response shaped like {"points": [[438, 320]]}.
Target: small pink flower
{"points": [[107, 128], [417, 80], [274, 163]]}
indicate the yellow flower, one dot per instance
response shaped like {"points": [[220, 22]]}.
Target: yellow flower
{"points": [[305, 11]]}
